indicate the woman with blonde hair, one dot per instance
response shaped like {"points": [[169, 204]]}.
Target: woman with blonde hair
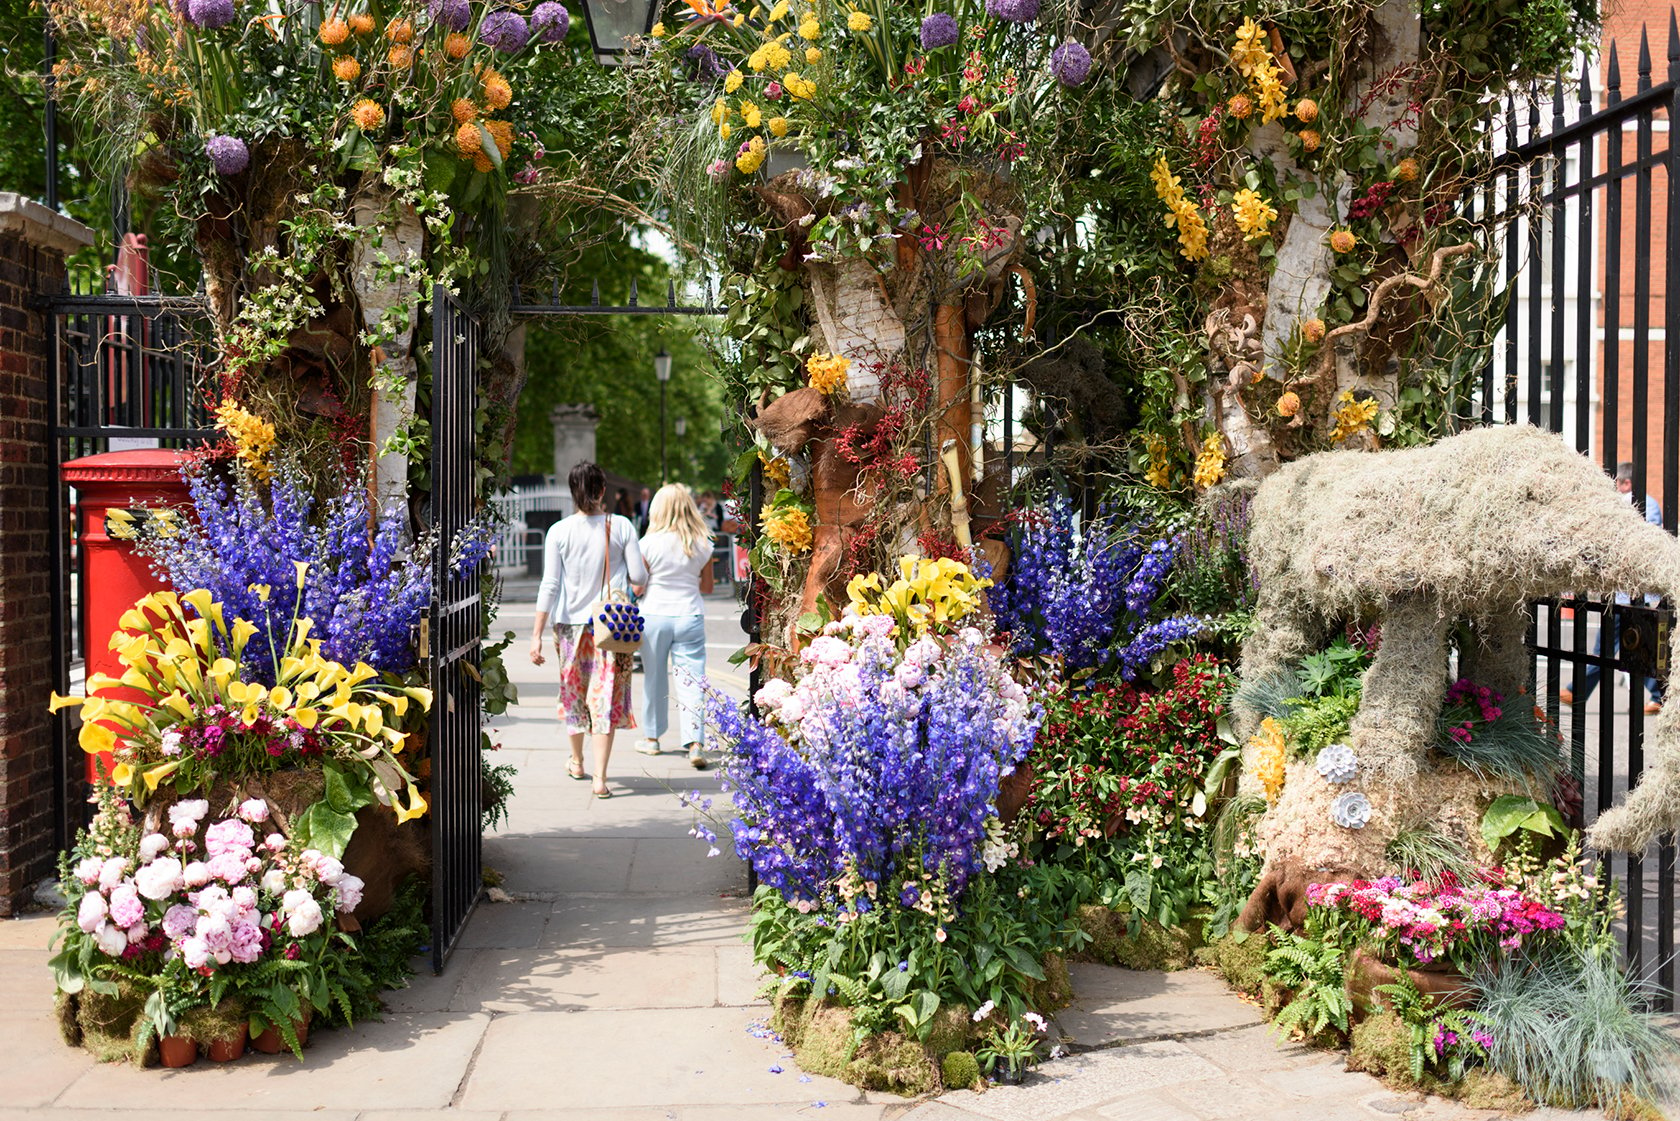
{"points": [[583, 555], [678, 552]]}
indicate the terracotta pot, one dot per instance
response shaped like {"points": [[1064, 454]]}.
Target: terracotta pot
{"points": [[231, 1048], [1438, 981], [270, 1042], [177, 1051]]}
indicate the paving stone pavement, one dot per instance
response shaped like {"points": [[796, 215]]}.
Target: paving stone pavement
{"points": [[614, 985]]}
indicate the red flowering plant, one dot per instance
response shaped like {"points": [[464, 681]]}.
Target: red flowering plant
{"points": [[1123, 771]]}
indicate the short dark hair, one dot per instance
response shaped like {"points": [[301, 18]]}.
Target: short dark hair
{"points": [[589, 487]]}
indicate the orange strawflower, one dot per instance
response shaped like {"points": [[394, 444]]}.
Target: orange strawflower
{"points": [[368, 114], [361, 23], [346, 68], [463, 110], [400, 31], [468, 140], [456, 45], [334, 31]]}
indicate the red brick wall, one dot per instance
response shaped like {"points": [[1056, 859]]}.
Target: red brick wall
{"points": [[27, 793], [1642, 259]]}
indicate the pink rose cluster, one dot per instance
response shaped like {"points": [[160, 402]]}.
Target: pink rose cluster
{"points": [[1427, 921], [208, 908]]}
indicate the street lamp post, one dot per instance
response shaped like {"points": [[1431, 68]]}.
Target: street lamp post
{"points": [[680, 427], [612, 22], [662, 371]]}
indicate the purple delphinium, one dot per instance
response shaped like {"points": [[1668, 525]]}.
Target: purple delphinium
{"points": [[452, 14], [228, 154], [1086, 597], [1071, 63], [939, 30], [1015, 11], [888, 784], [364, 593], [505, 31], [210, 13], [550, 22]]}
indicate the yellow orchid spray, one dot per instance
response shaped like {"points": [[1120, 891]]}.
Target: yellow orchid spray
{"points": [[929, 595], [200, 717]]}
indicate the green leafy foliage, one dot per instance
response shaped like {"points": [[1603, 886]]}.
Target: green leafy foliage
{"points": [[1313, 969], [1508, 814]]}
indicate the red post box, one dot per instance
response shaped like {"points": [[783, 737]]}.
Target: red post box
{"points": [[112, 575]]}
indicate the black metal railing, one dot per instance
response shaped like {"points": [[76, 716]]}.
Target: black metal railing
{"points": [[126, 371], [455, 630], [1586, 194]]}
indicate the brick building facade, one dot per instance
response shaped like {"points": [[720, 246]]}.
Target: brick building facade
{"points": [[33, 245]]}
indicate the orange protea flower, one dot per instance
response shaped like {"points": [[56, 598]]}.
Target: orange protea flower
{"points": [[502, 133], [463, 110], [361, 23], [1240, 106], [1289, 404], [1313, 330], [497, 93], [1406, 170], [368, 114], [1306, 110], [400, 31], [481, 162], [334, 31], [400, 57], [1343, 241], [468, 140], [346, 68], [456, 45]]}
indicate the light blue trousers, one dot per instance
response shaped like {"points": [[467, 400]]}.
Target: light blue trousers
{"points": [[679, 639]]}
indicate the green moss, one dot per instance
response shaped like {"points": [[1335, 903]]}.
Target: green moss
{"points": [[1488, 1089], [1152, 947], [1382, 1045], [110, 1024], [1056, 990], [825, 1039], [1239, 958], [64, 1011], [890, 1061], [788, 1017], [951, 1029], [210, 1025], [959, 1070]]}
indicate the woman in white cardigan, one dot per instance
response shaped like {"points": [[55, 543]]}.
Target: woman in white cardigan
{"points": [[582, 555]]}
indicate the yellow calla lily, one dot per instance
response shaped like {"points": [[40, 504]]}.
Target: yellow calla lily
{"points": [[243, 629], [250, 714], [95, 738], [398, 703], [421, 694], [373, 719], [302, 570], [222, 669], [122, 774], [58, 701], [305, 717], [201, 601], [159, 773], [308, 691], [177, 702], [280, 697], [136, 678], [398, 740], [415, 808]]}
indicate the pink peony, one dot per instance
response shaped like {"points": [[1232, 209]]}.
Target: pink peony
{"points": [[112, 871], [179, 921], [87, 870], [152, 845], [196, 874], [126, 908], [229, 867], [195, 952], [91, 912], [253, 810], [303, 914], [274, 881], [187, 815], [246, 946], [328, 870], [228, 836], [111, 940], [160, 879], [349, 893]]}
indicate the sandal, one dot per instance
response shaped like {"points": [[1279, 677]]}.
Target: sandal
{"points": [[603, 792], [574, 769]]}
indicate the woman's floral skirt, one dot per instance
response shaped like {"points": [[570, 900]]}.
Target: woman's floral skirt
{"points": [[594, 688]]}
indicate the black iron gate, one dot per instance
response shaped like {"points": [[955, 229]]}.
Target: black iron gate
{"points": [[454, 631], [1587, 193]]}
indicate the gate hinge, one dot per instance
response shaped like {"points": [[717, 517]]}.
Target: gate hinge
{"points": [[425, 639]]}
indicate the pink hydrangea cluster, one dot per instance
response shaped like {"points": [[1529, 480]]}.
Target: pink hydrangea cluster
{"points": [[1422, 922], [211, 905]]}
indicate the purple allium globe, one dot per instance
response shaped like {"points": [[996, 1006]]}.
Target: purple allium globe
{"points": [[210, 13], [505, 31], [228, 154], [1015, 11], [939, 30], [1071, 63], [453, 14], [551, 21]]}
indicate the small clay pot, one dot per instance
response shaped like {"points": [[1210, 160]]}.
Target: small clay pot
{"points": [[176, 1051], [270, 1042], [1439, 981], [231, 1048]]}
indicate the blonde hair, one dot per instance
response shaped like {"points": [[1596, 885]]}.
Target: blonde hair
{"points": [[673, 511]]}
